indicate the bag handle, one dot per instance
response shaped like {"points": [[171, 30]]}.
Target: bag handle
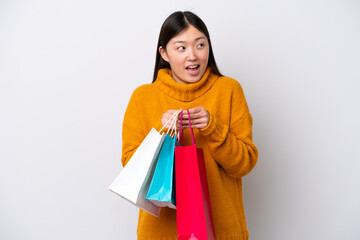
{"points": [[172, 130], [180, 130], [177, 112]]}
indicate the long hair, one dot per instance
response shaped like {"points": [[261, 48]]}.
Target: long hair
{"points": [[172, 26]]}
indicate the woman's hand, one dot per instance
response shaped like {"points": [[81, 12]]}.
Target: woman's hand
{"points": [[199, 117], [167, 115]]}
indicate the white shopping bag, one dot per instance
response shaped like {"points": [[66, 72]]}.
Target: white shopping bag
{"points": [[134, 180]]}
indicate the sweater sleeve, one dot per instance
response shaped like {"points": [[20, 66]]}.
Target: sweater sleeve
{"points": [[232, 146], [133, 132]]}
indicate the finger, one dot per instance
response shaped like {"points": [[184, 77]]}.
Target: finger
{"points": [[186, 115], [196, 109], [194, 116], [194, 121], [179, 115], [166, 117], [170, 113], [200, 126]]}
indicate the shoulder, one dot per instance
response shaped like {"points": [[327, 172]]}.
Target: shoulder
{"points": [[230, 84], [143, 91]]}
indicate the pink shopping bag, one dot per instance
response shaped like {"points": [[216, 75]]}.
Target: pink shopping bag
{"points": [[193, 212]]}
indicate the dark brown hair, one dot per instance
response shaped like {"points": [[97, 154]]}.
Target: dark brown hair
{"points": [[172, 26]]}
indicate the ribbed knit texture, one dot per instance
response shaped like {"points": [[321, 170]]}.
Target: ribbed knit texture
{"points": [[229, 151]]}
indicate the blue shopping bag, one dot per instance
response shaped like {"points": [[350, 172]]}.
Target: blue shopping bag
{"points": [[162, 188]]}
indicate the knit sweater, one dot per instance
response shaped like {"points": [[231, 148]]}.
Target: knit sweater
{"points": [[229, 151]]}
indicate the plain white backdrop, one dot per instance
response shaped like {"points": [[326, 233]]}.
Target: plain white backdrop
{"points": [[68, 68]]}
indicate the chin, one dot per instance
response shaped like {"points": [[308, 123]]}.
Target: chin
{"points": [[193, 80]]}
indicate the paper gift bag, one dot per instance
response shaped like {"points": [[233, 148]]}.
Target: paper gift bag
{"points": [[193, 212], [133, 182], [162, 188]]}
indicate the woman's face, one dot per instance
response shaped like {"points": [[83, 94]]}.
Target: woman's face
{"points": [[188, 55]]}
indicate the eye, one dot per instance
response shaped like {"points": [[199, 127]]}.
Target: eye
{"points": [[200, 45], [181, 48]]}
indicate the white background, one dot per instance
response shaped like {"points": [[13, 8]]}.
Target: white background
{"points": [[68, 68]]}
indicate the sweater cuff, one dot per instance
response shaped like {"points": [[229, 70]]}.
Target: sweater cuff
{"points": [[213, 131]]}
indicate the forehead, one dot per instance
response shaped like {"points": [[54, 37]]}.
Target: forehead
{"points": [[189, 34]]}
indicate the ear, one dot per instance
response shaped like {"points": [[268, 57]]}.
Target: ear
{"points": [[163, 54]]}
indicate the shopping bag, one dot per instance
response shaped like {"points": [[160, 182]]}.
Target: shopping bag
{"points": [[162, 188], [133, 181], [193, 212]]}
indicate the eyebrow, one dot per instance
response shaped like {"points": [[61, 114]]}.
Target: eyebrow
{"points": [[196, 39]]}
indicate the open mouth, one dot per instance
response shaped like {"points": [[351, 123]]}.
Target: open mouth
{"points": [[192, 67]]}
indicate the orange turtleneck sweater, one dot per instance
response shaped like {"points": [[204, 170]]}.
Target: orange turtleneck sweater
{"points": [[229, 151]]}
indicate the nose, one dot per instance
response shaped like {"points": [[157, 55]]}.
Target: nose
{"points": [[191, 55]]}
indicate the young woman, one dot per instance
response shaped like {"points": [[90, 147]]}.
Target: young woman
{"points": [[186, 77]]}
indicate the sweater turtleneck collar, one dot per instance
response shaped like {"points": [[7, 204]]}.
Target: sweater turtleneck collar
{"points": [[182, 91]]}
